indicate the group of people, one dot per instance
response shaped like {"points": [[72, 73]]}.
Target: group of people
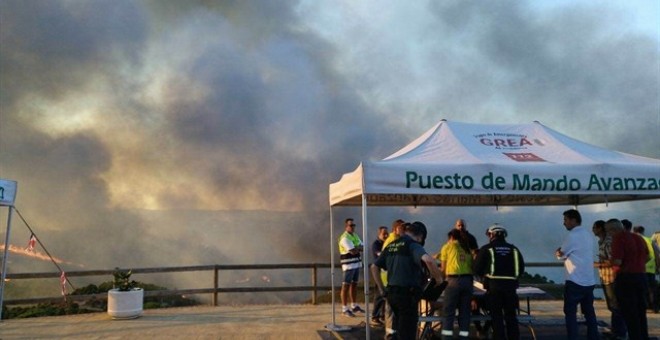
{"points": [[627, 264], [401, 252], [497, 264], [402, 267]]}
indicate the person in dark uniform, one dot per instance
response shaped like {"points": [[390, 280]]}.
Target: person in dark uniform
{"points": [[379, 301], [500, 264], [403, 260]]}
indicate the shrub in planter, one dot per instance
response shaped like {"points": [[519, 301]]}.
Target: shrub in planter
{"points": [[125, 300]]}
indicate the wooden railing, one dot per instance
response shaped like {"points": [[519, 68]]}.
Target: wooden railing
{"points": [[214, 291], [314, 287]]}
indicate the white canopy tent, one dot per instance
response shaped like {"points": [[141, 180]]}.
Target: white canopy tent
{"points": [[465, 164]]}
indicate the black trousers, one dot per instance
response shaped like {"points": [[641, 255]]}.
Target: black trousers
{"points": [[653, 302], [503, 307], [404, 303], [631, 294]]}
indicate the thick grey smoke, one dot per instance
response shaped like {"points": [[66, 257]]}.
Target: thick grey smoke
{"points": [[126, 122], [565, 68]]}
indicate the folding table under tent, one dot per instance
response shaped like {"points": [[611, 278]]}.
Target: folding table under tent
{"points": [[466, 164]]}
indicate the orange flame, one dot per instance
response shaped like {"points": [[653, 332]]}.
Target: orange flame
{"points": [[35, 255]]}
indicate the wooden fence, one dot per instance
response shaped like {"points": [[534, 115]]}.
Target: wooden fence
{"points": [[214, 290]]}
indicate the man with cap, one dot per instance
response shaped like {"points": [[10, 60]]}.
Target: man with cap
{"points": [[500, 264], [403, 259], [398, 230]]}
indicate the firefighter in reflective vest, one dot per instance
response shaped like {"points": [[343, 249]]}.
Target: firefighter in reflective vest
{"points": [[500, 264]]}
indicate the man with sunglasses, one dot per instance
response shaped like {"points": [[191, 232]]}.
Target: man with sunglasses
{"points": [[350, 250]]}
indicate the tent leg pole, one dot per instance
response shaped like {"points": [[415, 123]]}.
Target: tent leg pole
{"points": [[365, 260], [4, 260], [332, 266]]}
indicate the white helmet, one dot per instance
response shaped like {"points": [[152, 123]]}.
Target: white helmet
{"points": [[496, 230]]}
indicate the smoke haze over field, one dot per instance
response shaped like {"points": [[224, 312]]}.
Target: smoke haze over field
{"points": [[203, 132]]}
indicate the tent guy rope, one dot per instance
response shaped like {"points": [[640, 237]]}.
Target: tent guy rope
{"points": [[43, 247]]}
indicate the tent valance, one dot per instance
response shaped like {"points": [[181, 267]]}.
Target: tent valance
{"points": [[464, 164]]}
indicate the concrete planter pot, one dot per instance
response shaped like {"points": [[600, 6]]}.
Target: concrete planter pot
{"points": [[125, 304]]}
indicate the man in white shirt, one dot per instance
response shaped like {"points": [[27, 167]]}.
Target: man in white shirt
{"points": [[577, 253]]}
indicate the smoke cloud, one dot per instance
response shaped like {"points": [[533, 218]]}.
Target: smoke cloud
{"points": [[208, 132]]}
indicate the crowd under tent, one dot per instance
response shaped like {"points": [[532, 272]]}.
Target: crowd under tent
{"points": [[467, 164]]}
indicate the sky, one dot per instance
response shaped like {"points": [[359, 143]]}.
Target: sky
{"points": [[120, 118]]}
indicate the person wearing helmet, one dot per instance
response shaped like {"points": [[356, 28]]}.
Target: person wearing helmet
{"points": [[500, 264]]}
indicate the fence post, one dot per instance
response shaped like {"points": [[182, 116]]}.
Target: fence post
{"points": [[215, 286], [314, 273]]}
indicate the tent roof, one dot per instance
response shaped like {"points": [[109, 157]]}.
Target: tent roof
{"points": [[498, 164]]}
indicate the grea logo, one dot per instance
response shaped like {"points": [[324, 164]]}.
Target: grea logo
{"points": [[507, 143], [501, 140]]}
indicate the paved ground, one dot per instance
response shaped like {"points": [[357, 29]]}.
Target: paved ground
{"points": [[246, 322]]}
